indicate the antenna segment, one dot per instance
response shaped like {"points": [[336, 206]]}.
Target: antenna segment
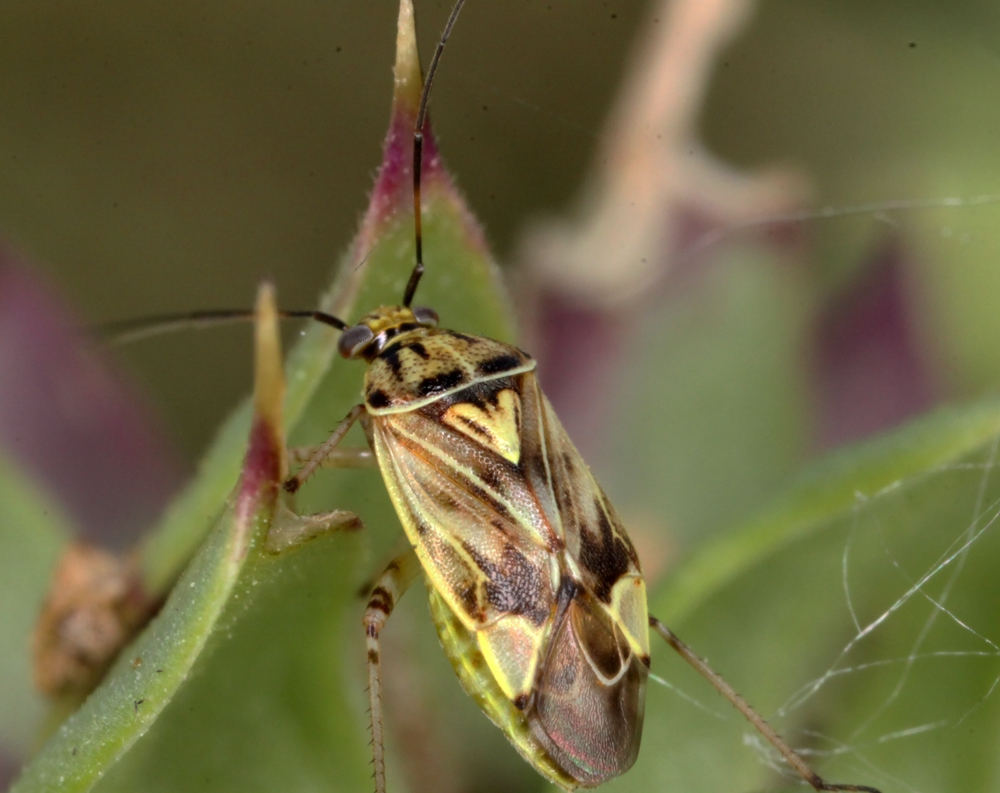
{"points": [[418, 151]]}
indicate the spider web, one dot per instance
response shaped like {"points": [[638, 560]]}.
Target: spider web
{"points": [[929, 574], [929, 596]]}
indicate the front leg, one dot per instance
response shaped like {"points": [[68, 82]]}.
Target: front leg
{"points": [[351, 457], [389, 588], [289, 530], [324, 451]]}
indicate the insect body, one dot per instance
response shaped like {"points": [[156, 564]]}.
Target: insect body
{"points": [[535, 588]]}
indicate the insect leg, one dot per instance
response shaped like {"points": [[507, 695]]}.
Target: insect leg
{"points": [[791, 756], [320, 454], [356, 457], [389, 587], [290, 530]]}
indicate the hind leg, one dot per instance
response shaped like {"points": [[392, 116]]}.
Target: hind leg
{"points": [[793, 758], [388, 589]]}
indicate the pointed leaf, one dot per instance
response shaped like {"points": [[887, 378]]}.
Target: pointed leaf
{"points": [[33, 531], [145, 679]]}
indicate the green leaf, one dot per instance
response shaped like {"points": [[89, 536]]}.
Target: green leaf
{"points": [[856, 614], [147, 676], [33, 531]]}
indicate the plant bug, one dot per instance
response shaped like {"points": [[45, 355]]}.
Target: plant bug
{"points": [[534, 586], [535, 589]]}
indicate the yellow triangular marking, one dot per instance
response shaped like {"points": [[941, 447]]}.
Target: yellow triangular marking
{"points": [[495, 426]]}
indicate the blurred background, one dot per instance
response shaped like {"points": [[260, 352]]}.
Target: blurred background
{"points": [[814, 211], [167, 158]]}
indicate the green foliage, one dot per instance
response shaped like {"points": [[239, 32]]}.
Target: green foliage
{"points": [[32, 533]]}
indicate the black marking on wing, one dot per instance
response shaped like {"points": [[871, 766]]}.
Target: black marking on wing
{"points": [[489, 474], [469, 596], [463, 578], [607, 558], [514, 586]]}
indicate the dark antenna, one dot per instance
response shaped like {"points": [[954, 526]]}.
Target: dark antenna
{"points": [[418, 151], [131, 330], [147, 327]]}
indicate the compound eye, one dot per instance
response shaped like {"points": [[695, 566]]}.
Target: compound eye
{"points": [[426, 316], [353, 340]]}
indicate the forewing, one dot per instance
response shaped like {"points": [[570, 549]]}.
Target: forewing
{"points": [[475, 522], [493, 494], [577, 508]]}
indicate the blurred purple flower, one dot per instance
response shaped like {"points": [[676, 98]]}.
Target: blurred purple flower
{"points": [[72, 419], [868, 367]]}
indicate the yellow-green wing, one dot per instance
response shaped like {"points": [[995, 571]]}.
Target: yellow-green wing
{"points": [[452, 469]]}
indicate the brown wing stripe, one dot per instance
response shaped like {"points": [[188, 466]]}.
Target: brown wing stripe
{"points": [[514, 585]]}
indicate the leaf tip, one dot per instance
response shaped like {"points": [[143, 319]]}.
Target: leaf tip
{"points": [[266, 463], [409, 81], [269, 378], [393, 188]]}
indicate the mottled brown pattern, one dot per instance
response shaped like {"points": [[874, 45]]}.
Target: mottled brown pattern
{"points": [[592, 530], [514, 585]]}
